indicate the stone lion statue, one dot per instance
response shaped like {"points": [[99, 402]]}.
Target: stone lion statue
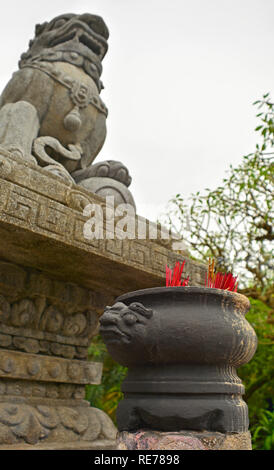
{"points": [[51, 112]]}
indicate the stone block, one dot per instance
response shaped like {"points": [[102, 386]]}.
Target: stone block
{"points": [[191, 440]]}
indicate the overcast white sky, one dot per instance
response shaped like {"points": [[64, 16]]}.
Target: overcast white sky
{"points": [[180, 78]]}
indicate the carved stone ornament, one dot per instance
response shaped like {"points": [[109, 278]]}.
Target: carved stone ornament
{"points": [[45, 329], [29, 424], [182, 346]]}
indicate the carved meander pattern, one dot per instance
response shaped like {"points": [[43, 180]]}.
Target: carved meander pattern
{"points": [[58, 220], [62, 218]]}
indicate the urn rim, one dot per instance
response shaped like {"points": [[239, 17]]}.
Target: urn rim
{"points": [[239, 299]]}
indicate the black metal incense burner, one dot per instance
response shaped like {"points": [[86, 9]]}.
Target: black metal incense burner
{"points": [[182, 346]]}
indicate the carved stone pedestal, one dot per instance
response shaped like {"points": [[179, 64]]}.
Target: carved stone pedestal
{"points": [[54, 284], [46, 326]]}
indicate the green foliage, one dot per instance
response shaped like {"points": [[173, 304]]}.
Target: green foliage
{"points": [[258, 375], [263, 433], [107, 395]]}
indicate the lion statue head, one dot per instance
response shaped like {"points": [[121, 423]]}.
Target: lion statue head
{"points": [[78, 39]]}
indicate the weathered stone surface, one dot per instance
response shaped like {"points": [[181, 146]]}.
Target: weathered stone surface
{"points": [[153, 440], [15, 137], [42, 226]]}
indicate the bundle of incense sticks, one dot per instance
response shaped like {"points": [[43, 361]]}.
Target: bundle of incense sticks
{"points": [[219, 280], [174, 277]]}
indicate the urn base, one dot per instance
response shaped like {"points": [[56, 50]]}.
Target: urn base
{"points": [[222, 413], [183, 397]]}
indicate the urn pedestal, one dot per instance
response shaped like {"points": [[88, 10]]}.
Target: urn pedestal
{"points": [[182, 346]]}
